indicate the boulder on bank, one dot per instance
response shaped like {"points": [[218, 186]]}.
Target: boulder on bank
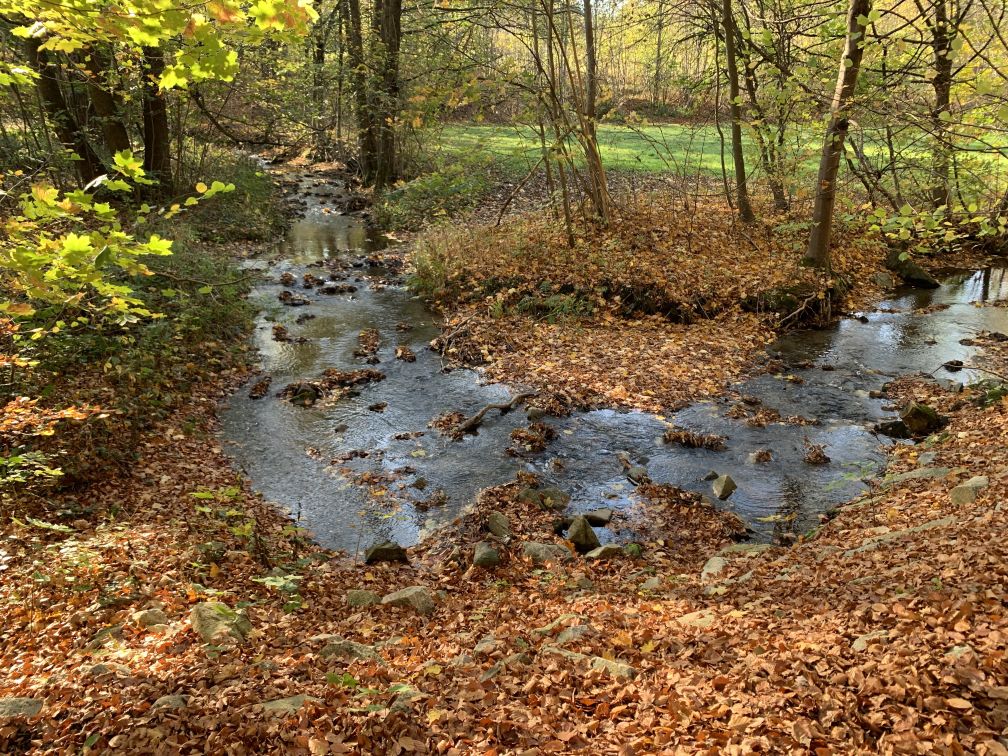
{"points": [[550, 499], [388, 551], [909, 271], [921, 420], [582, 535], [609, 551], [485, 555], [416, 597], [541, 553], [498, 524]]}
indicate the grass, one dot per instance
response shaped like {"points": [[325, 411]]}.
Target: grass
{"points": [[663, 149], [667, 148]]}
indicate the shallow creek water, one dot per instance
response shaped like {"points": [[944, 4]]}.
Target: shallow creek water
{"points": [[287, 450]]}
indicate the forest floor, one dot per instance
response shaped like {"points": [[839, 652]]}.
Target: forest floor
{"points": [[167, 608]]}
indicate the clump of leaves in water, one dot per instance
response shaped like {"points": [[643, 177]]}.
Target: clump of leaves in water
{"points": [[693, 440], [532, 439], [815, 454]]}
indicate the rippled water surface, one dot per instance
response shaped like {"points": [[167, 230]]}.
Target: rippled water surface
{"points": [[288, 451]]}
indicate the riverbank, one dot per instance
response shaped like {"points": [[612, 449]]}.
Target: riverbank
{"points": [[672, 647], [670, 304]]}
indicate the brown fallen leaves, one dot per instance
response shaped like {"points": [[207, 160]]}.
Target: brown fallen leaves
{"points": [[900, 647]]}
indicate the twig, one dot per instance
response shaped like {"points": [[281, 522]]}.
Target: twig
{"points": [[476, 420], [514, 192]]}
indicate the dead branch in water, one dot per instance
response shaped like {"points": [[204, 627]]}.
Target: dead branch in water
{"points": [[474, 422]]}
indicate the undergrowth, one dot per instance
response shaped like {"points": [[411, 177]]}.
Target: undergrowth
{"points": [[433, 197], [655, 258], [140, 373]]}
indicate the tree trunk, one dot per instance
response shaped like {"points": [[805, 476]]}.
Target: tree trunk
{"points": [[106, 105], [156, 133], [388, 14], [367, 140], [817, 253], [738, 158], [596, 172], [68, 130], [941, 44]]}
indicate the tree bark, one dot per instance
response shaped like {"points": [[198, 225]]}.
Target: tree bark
{"points": [[596, 172], [738, 157], [941, 44], [105, 104], [68, 130], [817, 253], [156, 133], [388, 14], [367, 141]]}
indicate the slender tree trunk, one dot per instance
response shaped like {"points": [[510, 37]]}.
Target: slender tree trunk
{"points": [[817, 253], [596, 172], [68, 130], [738, 157], [655, 97], [156, 133]]}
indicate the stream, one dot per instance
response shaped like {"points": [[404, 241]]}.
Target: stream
{"points": [[354, 473]]}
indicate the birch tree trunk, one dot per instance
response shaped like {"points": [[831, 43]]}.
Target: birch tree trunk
{"points": [[817, 253]]}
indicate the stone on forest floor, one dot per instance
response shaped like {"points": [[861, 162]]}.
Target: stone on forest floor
{"points": [[541, 553], [389, 551], [873, 543], [573, 633], [110, 668], [861, 643], [651, 584], [966, 493], [346, 649], [288, 705], [171, 701], [915, 474], [582, 535], [358, 598], [498, 524], [615, 668], [609, 551], [19, 706], [582, 581], [701, 619], [214, 622], [713, 567], [416, 597], [723, 486], [149, 617], [485, 555]]}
